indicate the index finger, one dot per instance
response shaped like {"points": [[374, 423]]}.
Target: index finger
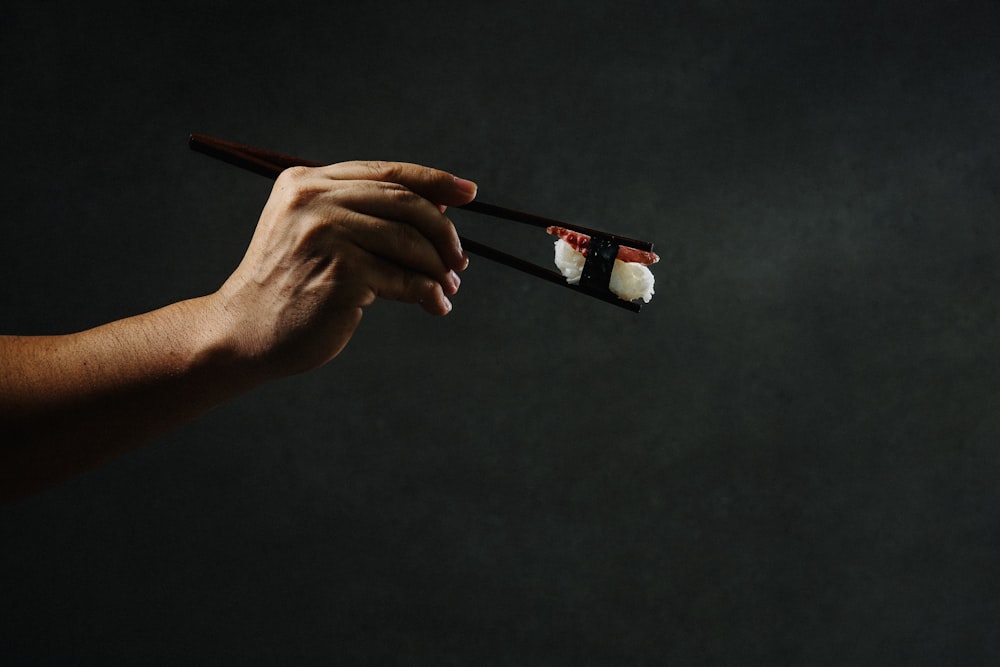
{"points": [[437, 186]]}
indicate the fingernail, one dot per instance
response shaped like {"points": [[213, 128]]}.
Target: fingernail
{"points": [[468, 187], [447, 305], [451, 285]]}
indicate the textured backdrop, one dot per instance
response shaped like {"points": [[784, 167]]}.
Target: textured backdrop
{"points": [[791, 456]]}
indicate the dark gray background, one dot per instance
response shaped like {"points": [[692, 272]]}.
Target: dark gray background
{"points": [[789, 457]]}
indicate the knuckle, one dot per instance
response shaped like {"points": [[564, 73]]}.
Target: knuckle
{"points": [[399, 194], [416, 287], [296, 187], [295, 173], [385, 171], [409, 283]]}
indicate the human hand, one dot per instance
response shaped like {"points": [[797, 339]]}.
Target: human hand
{"points": [[329, 241]]}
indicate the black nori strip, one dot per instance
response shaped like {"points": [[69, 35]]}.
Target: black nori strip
{"points": [[600, 262]]}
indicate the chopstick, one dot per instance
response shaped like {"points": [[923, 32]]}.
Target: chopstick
{"points": [[270, 164], [539, 221], [258, 160]]}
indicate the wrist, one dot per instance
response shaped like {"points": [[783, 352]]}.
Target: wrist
{"points": [[218, 344]]}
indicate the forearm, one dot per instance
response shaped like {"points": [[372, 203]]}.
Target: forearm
{"points": [[328, 243], [69, 402]]}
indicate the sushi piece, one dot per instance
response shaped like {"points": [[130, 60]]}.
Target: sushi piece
{"points": [[630, 279]]}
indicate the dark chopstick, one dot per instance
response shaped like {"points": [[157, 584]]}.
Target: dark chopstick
{"points": [[265, 162], [270, 164], [257, 160], [539, 221]]}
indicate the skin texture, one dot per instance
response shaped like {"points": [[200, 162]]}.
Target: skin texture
{"points": [[329, 241]]}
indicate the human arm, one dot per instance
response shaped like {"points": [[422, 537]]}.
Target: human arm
{"points": [[329, 242]]}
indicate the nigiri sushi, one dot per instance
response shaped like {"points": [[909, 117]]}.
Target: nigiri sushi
{"points": [[630, 277]]}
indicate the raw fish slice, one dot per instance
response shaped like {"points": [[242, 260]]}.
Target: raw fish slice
{"points": [[581, 243]]}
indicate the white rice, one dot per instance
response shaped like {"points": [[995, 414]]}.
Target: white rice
{"points": [[629, 281]]}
